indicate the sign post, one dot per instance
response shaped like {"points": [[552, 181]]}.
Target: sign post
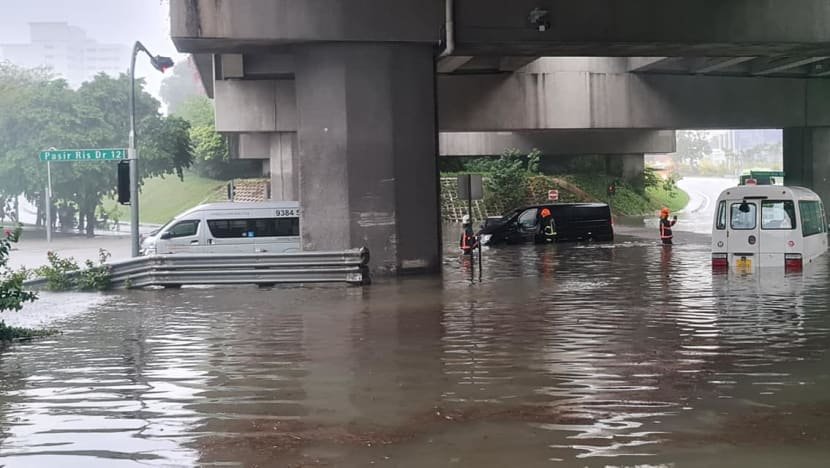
{"points": [[55, 155]]}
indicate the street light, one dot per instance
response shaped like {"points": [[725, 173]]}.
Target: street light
{"points": [[160, 63]]}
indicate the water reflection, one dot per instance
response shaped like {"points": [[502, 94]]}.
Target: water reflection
{"points": [[622, 354]]}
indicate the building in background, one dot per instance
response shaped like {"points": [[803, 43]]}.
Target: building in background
{"points": [[68, 52]]}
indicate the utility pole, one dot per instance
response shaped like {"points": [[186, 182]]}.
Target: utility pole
{"points": [[160, 63]]}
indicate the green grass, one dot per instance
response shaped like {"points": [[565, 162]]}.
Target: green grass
{"points": [[163, 198], [629, 201], [675, 200]]}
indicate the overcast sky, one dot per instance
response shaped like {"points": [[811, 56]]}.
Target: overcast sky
{"points": [[109, 21]]}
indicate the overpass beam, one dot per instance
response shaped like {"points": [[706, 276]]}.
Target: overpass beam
{"points": [[367, 152], [805, 159]]}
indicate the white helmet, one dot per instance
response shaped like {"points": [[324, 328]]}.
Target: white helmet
{"points": [[465, 219]]}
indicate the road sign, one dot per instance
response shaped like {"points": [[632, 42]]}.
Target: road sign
{"points": [[470, 187], [109, 154], [553, 195]]}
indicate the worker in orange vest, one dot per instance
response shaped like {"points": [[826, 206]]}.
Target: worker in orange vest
{"points": [[469, 240], [547, 226], [666, 224]]}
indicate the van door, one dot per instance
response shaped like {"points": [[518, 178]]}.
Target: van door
{"points": [[181, 237], [744, 239], [527, 225]]}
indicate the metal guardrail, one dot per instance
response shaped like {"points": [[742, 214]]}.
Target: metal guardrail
{"points": [[176, 270]]}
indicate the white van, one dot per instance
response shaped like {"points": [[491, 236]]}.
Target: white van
{"points": [[272, 227], [758, 226]]}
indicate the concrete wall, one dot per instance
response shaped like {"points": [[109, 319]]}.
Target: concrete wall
{"points": [[235, 25], [806, 161], [644, 27], [578, 100], [255, 106], [558, 142]]}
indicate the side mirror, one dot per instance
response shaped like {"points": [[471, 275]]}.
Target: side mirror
{"points": [[167, 235]]}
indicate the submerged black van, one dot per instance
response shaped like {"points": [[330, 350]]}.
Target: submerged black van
{"points": [[568, 222]]}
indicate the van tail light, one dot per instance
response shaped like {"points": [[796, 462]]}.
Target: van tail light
{"points": [[793, 262], [720, 261]]}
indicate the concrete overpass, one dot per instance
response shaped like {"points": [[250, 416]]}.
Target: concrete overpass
{"points": [[345, 99]]}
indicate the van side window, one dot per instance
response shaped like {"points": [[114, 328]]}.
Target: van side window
{"points": [[260, 227], [184, 229], [276, 227], [744, 220], [721, 224], [777, 215], [812, 218]]}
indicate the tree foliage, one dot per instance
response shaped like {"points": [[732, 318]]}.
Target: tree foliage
{"points": [[182, 85], [47, 113], [692, 146], [210, 149], [508, 177]]}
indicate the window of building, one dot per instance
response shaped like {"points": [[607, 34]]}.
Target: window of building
{"points": [[777, 215]]}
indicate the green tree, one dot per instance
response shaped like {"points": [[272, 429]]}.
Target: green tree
{"points": [[508, 180], [50, 114], [181, 85], [210, 149], [692, 146]]}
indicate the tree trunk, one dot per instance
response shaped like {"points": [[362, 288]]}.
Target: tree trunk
{"points": [[17, 209], [81, 220], [39, 220], [90, 223]]}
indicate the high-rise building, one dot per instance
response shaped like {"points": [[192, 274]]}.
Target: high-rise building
{"points": [[68, 52]]}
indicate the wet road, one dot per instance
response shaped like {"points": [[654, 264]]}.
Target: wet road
{"points": [[624, 354]]}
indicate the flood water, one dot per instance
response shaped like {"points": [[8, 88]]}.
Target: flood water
{"points": [[623, 354]]}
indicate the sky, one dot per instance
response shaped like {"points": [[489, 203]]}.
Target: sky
{"points": [[108, 21]]}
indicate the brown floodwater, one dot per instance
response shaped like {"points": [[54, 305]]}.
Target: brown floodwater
{"points": [[623, 354]]}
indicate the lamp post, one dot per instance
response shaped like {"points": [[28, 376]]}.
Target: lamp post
{"points": [[160, 63]]}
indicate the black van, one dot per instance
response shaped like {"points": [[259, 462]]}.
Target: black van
{"points": [[570, 222]]}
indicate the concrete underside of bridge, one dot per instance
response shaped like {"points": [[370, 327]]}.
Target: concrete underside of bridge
{"points": [[343, 101]]}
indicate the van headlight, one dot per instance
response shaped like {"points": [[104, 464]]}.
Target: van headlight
{"points": [[485, 238]]}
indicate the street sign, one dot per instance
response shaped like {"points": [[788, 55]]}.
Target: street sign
{"points": [[109, 154], [553, 195]]}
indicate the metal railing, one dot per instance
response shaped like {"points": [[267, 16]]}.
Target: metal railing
{"points": [[351, 266]]}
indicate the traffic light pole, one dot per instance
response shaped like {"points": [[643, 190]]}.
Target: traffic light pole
{"points": [[159, 63], [132, 155]]}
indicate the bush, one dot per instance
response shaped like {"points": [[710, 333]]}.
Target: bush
{"points": [[507, 184], [12, 294], [63, 274]]}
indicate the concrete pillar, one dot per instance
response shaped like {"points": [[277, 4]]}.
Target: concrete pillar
{"points": [[283, 167], [807, 159], [368, 152], [628, 167]]}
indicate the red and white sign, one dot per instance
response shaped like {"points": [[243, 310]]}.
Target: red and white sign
{"points": [[553, 195]]}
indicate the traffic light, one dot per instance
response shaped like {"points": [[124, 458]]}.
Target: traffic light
{"points": [[124, 182]]}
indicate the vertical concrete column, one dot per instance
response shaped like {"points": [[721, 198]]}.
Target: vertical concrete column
{"points": [[807, 159], [628, 167], [283, 167], [368, 152]]}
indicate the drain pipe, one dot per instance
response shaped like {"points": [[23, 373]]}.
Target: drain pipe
{"points": [[449, 26]]}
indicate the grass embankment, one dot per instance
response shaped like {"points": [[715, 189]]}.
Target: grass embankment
{"points": [[163, 198], [628, 200]]}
